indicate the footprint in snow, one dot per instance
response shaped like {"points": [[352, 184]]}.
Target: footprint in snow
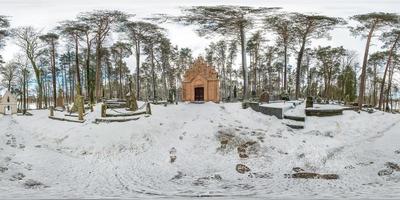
{"points": [[172, 155]]}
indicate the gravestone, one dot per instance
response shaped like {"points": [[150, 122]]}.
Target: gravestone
{"points": [[172, 154], [75, 107], [51, 111], [148, 109], [234, 92], [128, 100], [60, 99], [264, 97], [103, 110], [309, 102], [79, 105], [132, 103]]}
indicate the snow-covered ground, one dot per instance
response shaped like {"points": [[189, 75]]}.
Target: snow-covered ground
{"points": [[44, 158]]}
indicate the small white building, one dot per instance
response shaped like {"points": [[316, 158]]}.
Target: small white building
{"points": [[8, 104]]}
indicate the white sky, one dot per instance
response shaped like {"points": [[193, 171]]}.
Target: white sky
{"points": [[44, 14]]}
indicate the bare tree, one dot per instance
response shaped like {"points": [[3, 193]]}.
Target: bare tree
{"points": [[9, 74], [330, 59], [4, 24], [136, 32], [120, 50], [391, 39], [282, 25], [152, 42], [307, 27], [24, 76], [73, 29], [254, 48], [27, 38], [51, 40], [101, 22], [165, 53], [376, 60], [368, 24]]}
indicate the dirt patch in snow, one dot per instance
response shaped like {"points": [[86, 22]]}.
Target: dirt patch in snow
{"points": [[207, 180], [312, 175], [232, 139], [17, 177], [32, 184]]}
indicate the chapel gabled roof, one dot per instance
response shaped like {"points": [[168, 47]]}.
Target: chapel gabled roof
{"points": [[11, 97], [200, 68]]}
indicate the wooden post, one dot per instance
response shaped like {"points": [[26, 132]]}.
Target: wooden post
{"points": [[148, 109], [103, 110], [51, 111]]}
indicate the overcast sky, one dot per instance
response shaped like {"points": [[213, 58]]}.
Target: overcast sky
{"points": [[44, 14]]}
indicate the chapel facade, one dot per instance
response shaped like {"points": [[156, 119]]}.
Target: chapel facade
{"points": [[200, 82], [8, 104]]}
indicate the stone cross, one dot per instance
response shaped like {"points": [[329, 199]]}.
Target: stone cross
{"points": [[103, 110], [79, 104], [51, 111], [148, 109], [75, 107], [264, 97], [60, 99]]}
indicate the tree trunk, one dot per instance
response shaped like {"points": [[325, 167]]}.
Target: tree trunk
{"points": [[78, 76], [138, 70], [285, 68], [223, 83], [88, 84], [153, 74], [109, 79], [39, 83], [98, 70], [255, 69], [298, 69], [244, 63], [392, 49], [250, 73], [68, 88], [24, 90], [53, 72], [364, 68], [64, 77], [388, 92], [120, 77], [45, 93], [164, 80], [374, 86]]}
